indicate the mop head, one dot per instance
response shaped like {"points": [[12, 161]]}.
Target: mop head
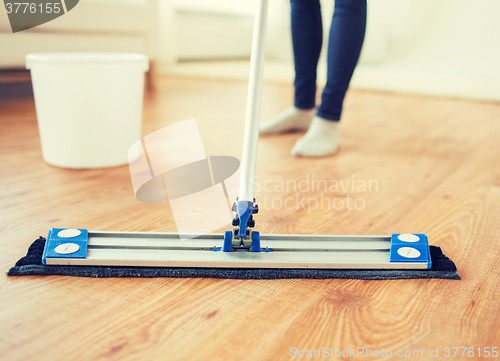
{"points": [[31, 264]]}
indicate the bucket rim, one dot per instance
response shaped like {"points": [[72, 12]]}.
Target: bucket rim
{"points": [[84, 57]]}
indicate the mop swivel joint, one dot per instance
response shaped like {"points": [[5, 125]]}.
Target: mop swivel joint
{"points": [[244, 217], [242, 237]]}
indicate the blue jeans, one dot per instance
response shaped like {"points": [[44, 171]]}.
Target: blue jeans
{"points": [[344, 46]]}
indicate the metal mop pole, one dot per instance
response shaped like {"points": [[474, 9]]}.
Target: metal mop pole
{"points": [[244, 205], [251, 135]]}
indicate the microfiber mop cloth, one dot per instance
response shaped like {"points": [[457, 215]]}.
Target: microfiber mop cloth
{"points": [[31, 264]]}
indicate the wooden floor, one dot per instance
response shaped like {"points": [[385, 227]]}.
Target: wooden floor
{"points": [[436, 164]]}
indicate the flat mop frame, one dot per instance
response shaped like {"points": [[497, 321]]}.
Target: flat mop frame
{"points": [[242, 247]]}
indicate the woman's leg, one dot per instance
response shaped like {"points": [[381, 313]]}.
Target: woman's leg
{"points": [[344, 46], [307, 38]]}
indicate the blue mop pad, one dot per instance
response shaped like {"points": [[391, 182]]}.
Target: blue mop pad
{"points": [[31, 264]]}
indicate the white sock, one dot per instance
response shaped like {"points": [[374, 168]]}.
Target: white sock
{"points": [[288, 120], [321, 139]]}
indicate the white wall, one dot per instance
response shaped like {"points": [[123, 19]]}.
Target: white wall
{"points": [[220, 29], [436, 47], [205, 30]]}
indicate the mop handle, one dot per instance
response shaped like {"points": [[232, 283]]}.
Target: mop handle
{"points": [[251, 132]]}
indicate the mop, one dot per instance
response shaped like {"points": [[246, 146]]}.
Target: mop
{"points": [[241, 252]]}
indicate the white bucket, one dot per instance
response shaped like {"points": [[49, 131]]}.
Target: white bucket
{"points": [[88, 105]]}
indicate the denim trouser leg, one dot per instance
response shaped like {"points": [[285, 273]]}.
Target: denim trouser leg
{"points": [[307, 38], [344, 46]]}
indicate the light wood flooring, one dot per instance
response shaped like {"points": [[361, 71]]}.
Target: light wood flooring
{"points": [[436, 163]]}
